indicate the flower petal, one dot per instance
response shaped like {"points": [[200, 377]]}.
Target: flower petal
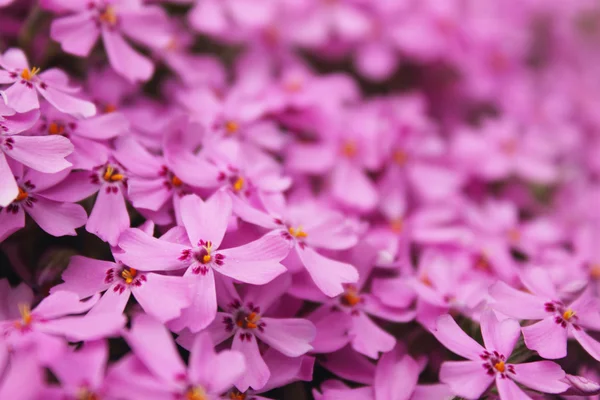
{"points": [[146, 253], [290, 336], [42, 153], [10, 223], [21, 97], [109, 216], [153, 345], [455, 339], [57, 219], [256, 262], [546, 337], [543, 376], [507, 389], [591, 345], [162, 296], [206, 220], [76, 34], [202, 310], [85, 276], [66, 103], [368, 338], [215, 372], [515, 303], [329, 275], [465, 378], [257, 373], [124, 59], [499, 335]]}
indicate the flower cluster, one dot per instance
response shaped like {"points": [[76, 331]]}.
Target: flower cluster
{"points": [[328, 199]]}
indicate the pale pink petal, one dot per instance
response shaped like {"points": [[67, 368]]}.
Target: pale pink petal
{"points": [[62, 303], [395, 379], [436, 391], [591, 345], [349, 21], [371, 305], [515, 303], [76, 187], [243, 210], [150, 194], [332, 330], [376, 60], [206, 220], [368, 338], [23, 377], [84, 366], [546, 337], [465, 378], [455, 339], [352, 187], [363, 393], [21, 97], [202, 309], [42, 153], [153, 344], [88, 327], [257, 373], [508, 390], [256, 262], [499, 335], [76, 33], [147, 25], [20, 122], [543, 376], [322, 158], [58, 219], [285, 370], [215, 372], [9, 189], [66, 103], [114, 300], [124, 59], [147, 253], [350, 365], [163, 297], [539, 282], [291, 336], [104, 126], [10, 222], [136, 158], [263, 296], [208, 16], [329, 275], [109, 216]]}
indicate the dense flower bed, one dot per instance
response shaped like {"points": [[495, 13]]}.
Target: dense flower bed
{"points": [[296, 199]]}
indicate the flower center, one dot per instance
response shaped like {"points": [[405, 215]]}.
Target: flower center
{"points": [[509, 146], [56, 128], [298, 233], [196, 393], [397, 224], [176, 181], [568, 314], [108, 16], [238, 184], [22, 195], [500, 366], [595, 271], [400, 157], [112, 174], [350, 298], [86, 394], [349, 149], [231, 127], [204, 255], [248, 321], [108, 108], [483, 263], [237, 395], [27, 74], [514, 235], [26, 316], [128, 275], [495, 363]]}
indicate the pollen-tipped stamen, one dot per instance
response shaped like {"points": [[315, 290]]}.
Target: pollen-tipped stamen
{"points": [[297, 232], [27, 73]]}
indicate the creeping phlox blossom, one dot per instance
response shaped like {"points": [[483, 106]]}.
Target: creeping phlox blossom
{"points": [[273, 199]]}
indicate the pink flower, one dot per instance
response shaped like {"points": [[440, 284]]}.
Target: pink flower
{"points": [[109, 216], [470, 379], [87, 277], [55, 217], [89, 136], [306, 226], [80, 372], [351, 311], [196, 248], [396, 377], [77, 33], [156, 371], [246, 319], [53, 319], [27, 82], [557, 319], [23, 377]]}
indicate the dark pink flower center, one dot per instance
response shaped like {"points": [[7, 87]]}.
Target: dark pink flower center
{"points": [[495, 363], [562, 314]]}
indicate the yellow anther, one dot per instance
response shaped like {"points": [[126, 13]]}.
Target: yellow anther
{"points": [[397, 224], [400, 157], [27, 74], [196, 393], [568, 314], [238, 184], [349, 149], [297, 232], [128, 274], [22, 195], [176, 181], [231, 127], [500, 366], [109, 16]]}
